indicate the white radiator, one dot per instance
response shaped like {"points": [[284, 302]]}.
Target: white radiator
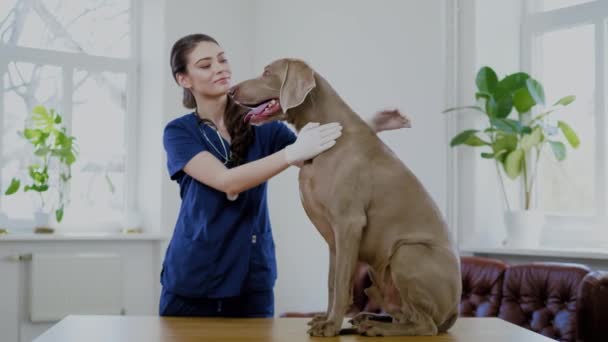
{"points": [[80, 284]]}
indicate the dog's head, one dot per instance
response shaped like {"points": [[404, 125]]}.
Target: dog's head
{"points": [[283, 85]]}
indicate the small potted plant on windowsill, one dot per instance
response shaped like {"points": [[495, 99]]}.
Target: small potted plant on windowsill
{"points": [[54, 153], [515, 140]]}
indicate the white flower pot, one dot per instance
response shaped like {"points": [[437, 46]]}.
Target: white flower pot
{"points": [[42, 219], [524, 228]]}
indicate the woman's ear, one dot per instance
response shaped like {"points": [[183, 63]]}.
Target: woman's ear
{"points": [[183, 80]]}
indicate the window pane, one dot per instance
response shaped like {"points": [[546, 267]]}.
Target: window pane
{"points": [[97, 27], [25, 86], [98, 123], [548, 5], [568, 186]]}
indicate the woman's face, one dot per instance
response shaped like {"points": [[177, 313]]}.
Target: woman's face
{"points": [[208, 72]]}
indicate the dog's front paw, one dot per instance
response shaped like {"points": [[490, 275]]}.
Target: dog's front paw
{"points": [[390, 119], [324, 328], [317, 318]]}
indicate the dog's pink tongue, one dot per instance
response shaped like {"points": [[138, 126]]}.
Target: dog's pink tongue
{"points": [[255, 111]]}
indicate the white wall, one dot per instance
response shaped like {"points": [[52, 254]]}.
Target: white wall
{"points": [[376, 54], [491, 40]]}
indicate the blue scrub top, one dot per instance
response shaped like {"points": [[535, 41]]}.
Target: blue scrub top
{"points": [[219, 248]]}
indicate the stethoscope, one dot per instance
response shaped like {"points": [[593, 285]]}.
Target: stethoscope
{"points": [[227, 155]]}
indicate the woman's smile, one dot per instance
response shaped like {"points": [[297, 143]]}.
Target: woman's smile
{"points": [[223, 80]]}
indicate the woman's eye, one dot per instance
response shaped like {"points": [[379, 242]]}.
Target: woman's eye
{"points": [[224, 60], [204, 66]]}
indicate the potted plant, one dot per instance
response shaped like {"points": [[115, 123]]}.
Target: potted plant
{"points": [[514, 140], [54, 153]]}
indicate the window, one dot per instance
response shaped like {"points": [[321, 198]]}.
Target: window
{"points": [[548, 5], [77, 57], [564, 47]]}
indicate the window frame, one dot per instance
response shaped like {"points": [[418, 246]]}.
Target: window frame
{"points": [[535, 23], [69, 62]]}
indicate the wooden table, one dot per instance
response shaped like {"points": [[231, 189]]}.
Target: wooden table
{"points": [[152, 329]]}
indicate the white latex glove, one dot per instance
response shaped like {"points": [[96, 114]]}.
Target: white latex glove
{"points": [[312, 140]]}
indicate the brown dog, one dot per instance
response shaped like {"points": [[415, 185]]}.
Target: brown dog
{"points": [[368, 206]]}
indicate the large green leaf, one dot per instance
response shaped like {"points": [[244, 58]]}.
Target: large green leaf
{"points": [[463, 108], [40, 111], [59, 214], [536, 90], [530, 140], [13, 187], [41, 151], [569, 133], [482, 95], [511, 83], [500, 108], [36, 137], [504, 92], [32, 134], [70, 158], [60, 138], [500, 155], [40, 188], [513, 164], [542, 115], [522, 101], [475, 141], [462, 137], [42, 119], [504, 106], [566, 100], [559, 149], [486, 80], [491, 107], [38, 175], [506, 125], [504, 144]]}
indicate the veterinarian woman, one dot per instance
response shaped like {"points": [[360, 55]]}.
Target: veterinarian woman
{"points": [[221, 258]]}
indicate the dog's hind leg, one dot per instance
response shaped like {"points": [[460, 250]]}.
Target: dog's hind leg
{"points": [[408, 319], [428, 293], [374, 294], [422, 327]]}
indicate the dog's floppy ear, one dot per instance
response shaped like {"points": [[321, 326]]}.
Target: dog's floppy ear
{"points": [[298, 81]]}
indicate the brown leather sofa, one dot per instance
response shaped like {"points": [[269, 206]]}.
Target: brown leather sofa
{"points": [[566, 302]]}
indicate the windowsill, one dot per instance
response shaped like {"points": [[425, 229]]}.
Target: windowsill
{"points": [[579, 253], [88, 236]]}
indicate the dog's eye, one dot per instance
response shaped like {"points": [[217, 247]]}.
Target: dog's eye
{"points": [[265, 73]]}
